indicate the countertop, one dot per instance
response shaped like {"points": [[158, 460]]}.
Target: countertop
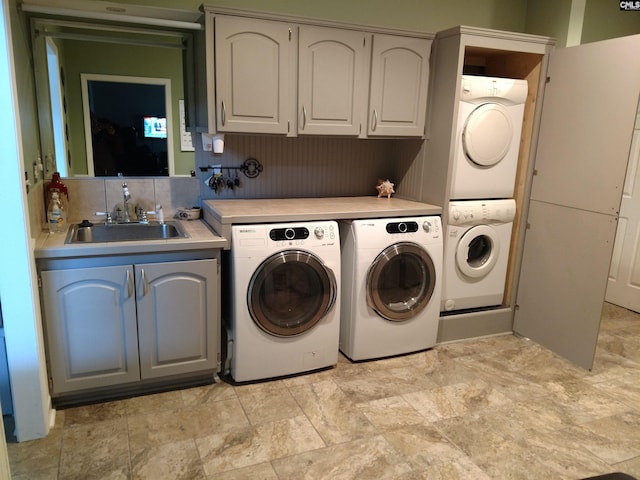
{"points": [[222, 214], [201, 237]]}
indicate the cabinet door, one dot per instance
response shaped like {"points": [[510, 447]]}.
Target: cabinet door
{"points": [[586, 129], [332, 80], [90, 322], [399, 85], [254, 84], [178, 317]]}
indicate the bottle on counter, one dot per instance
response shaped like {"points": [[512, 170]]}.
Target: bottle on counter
{"points": [[56, 184], [56, 214]]}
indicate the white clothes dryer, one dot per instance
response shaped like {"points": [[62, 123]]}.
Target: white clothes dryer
{"points": [[476, 253], [285, 313], [488, 134], [391, 284]]}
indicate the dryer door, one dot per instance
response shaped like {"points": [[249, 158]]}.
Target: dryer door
{"points": [[477, 251], [290, 292], [400, 281], [487, 134]]}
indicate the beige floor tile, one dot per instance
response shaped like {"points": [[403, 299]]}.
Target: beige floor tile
{"points": [[36, 455], [612, 439], [177, 461], [207, 394], [155, 429], [94, 413], [278, 404], [462, 469], [262, 471], [257, 444], [422, 445], [455, 400], [336, 419], [381, 383], [100, 447], [154, 403], [367, 459], [390, 412]]}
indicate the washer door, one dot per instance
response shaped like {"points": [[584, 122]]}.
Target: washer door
{"points": [[487, 134], [477, 251], [290, 292], [400, 281]]}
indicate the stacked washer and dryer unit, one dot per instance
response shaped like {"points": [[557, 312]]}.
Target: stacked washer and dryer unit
{"points": [[481, 210]]}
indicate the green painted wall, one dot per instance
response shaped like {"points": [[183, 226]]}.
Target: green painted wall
{"points": [[419, 15], [603, 20], [549, 18]]}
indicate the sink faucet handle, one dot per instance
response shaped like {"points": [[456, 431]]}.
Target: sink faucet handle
{"points": [[159, 214], [107, 216]]}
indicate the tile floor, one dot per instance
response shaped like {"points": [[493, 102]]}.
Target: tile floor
{"points": [[495, 408]]}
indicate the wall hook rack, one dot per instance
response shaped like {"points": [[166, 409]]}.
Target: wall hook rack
{"points": [[251, 168]]}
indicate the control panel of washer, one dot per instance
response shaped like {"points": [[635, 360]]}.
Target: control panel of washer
{"points": [[299, 235], [411, 228], [289, 233], [474, 212]]}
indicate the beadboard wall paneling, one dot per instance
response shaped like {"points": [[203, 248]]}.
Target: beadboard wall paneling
{"points": [[407, 171], [309, 166]]}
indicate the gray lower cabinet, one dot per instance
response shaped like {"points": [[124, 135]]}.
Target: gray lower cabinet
{"points": [[115, 325]]}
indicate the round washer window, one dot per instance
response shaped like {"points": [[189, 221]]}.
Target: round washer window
{"points": [[400, 281], [290, 292], [477, 251]]}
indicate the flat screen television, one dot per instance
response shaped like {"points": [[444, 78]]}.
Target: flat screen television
{"points": [[155, 127]]}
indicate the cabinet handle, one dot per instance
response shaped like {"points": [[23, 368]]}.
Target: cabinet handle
{"points": [[224, 114], [374, 120], [129, 284], [304, 117], [145, 283]]}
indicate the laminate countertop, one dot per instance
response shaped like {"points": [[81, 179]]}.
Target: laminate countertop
{"points": [[201, 237], [221, 215]]}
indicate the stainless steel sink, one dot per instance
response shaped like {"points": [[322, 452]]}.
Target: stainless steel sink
{"points": [[124, 232]]}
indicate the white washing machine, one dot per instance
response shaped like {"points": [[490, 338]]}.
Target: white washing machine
{"points": [[488, 134], [285, 313], [391, 284], [476, 253]]}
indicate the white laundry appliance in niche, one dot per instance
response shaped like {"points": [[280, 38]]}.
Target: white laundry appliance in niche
{"points": [[285, 315], [476, 253], [391, 284], [489, 126]]}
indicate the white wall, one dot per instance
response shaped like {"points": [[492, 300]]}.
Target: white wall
{"points": [[18, 284]]}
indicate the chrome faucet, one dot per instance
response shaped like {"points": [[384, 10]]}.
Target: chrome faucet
{"points": [[127, 196]]}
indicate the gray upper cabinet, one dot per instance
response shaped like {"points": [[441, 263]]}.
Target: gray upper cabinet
{"points": [[333, 73], [254, 84], [399, 86], [295, 76]]}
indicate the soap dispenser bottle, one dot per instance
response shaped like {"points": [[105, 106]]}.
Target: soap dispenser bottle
{"points": [[56, 214]]}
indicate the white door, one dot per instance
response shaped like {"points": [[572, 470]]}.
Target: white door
{"points": [[623, 287], [586, 129]]}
